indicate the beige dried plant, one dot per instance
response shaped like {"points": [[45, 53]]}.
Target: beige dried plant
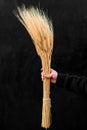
{"points": [[40, 28]]}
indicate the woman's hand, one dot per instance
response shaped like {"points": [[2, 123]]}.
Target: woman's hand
{"points": [[52, 76]]}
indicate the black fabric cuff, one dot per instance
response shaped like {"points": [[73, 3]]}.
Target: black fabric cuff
{"points": [[60, 80]]}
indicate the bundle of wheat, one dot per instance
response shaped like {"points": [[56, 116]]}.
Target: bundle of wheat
{"points": [[40, 28]]}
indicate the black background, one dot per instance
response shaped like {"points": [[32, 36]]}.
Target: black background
{"points": [[20, 83]]}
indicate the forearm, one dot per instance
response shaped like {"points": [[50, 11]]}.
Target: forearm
{"points": [[73, 83]]}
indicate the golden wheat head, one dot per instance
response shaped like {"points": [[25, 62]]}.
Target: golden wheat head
{"points": [[38, 25]]}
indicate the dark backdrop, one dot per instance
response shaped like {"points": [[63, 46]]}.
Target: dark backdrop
{"points": [[20, 83]]}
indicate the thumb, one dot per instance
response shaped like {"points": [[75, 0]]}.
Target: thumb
{"points": [[48, 75]]}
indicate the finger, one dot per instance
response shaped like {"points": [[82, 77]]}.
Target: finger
{"points": [[53, 81], [42, 77], [41, 73], [41, 69], [47, 76]]}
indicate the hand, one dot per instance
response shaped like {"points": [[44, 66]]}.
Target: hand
{"points": [[52, 76]]}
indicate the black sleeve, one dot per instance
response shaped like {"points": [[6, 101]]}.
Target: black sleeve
{"points": [[73, 83]]}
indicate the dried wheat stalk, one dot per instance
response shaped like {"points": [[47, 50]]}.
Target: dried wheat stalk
{"points": [[40, 28]]}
